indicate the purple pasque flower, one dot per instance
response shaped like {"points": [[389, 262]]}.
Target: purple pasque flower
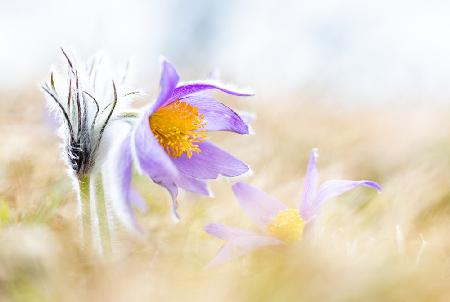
{"points": [[169, 141], [278, 223]]}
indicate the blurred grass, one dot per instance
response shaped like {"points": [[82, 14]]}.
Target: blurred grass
{"points": [[392, 246]]}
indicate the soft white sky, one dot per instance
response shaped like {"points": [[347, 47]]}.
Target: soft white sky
{"points": [[376, 50]]}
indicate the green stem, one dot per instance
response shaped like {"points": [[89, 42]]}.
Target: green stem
{"points": [[102, 213], [86, 227]]}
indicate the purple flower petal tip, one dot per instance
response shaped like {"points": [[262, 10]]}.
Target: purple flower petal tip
{"points": [[212, 229], [238, 186], [165, 63], [189, 88], [372, 184]]}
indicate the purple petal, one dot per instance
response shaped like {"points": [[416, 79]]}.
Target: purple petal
{"points": [[259, 206], [153, 161], [189, 88], [137, 201], [209, 163], [239, 242], [218, 117], [226, 252], [333, 188], [172, 188], [119, 184], [150, 156], [226, 232], [188, 183], [168, 82], [310, 186], [192, 184]]}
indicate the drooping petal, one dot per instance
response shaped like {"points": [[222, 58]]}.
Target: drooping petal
{"points": [[189, 88], [192, 184], [310, 186], [168, 82], [118, 176], [152, 160], [239, 242], [188, 183], [217, 116], [333, 188], [209, 163], [259, 206], [172, 188]]}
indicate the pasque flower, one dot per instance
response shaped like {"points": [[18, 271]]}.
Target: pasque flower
{"points": [[169, 141], [86, 104], [278, 224], [83, 118]]}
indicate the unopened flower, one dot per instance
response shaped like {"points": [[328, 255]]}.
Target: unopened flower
{"points": [[278, 223], [86, 104], [169, 142]]}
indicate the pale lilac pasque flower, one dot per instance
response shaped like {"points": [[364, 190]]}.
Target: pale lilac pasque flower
{"points": [[168, 142], [88, 106], [277, 222]]}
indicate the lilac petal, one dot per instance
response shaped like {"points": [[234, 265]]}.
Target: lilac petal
{"points": [[259, 206], [119, 185], [151, 158], [173, 191], [333, 188], [189, 88], [209, 163], [192, 184], [218, 117], [225, 232], [227, 252], [137, 201], [239, 242], [153, 161], [168, 82], [310, 186], [188, 183]]}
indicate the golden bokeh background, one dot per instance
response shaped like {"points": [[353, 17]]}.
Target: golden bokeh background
{"points": [[392, 246]]}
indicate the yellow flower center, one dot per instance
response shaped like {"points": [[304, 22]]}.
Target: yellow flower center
{"points": [[177, 127], [287, 225]]}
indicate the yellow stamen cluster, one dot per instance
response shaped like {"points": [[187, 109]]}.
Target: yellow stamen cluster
{"points": [[287, 225], [177, 127]]}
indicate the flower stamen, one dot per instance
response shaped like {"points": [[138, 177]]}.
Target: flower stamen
{"points": [[287, 225], [178, 127]]}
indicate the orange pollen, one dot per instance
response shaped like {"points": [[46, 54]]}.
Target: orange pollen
{"points": [[178, 127]]}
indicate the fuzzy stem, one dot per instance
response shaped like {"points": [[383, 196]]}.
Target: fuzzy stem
{"points": [[103, 219], [86, 227]]}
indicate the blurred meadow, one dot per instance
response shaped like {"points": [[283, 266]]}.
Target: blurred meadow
{"points": [[385, 120]]}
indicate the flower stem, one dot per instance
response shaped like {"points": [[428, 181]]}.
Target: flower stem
{"points": [[103, 217], [83, 195], [95, 222]]}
